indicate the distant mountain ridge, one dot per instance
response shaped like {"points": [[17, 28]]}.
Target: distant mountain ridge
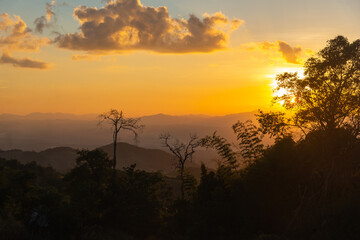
{"points": [[92, 116], [47, 116], [39, 131]]}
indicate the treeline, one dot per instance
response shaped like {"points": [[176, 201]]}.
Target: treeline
{"points": [[297, 190], [87, 203]]}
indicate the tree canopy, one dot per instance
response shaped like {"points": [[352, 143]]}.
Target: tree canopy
{"points": [[328, 96]]}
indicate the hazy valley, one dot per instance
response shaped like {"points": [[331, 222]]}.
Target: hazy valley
{"points": [[39, 131], [52, 139]]}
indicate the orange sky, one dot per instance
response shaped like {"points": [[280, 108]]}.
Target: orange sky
{"points": [[195, 74]]}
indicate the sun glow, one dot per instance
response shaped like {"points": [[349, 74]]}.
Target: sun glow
{"points": [[277, 71], [281, 92], [293, 100]]}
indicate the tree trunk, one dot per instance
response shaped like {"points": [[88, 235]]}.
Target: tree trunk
{"points": [[182, 182], [115, 141]]}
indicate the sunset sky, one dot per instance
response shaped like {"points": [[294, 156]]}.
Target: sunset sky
{"points": [[176, 57]]}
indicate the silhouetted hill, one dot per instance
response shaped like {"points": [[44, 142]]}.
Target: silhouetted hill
{"points": [[64, 158], [150, 160], [60, 158]]}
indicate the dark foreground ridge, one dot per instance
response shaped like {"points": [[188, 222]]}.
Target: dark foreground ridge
{"points": [[291, 192], [63, 159]]}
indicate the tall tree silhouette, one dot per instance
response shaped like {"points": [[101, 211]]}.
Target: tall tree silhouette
{"points": [[325, 105], [328, 96], [119, 122]]}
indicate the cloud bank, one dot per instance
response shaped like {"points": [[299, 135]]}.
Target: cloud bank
{"points": [[289, 54], [125, 25], [16, 36], [24, 63]]}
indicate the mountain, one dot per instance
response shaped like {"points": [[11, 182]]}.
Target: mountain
{"points": [[63, 159], [47, 116], [150, 160], [39, 131]]}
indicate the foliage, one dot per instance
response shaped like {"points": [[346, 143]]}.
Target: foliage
{"points": [[249, 146], [275, 124], [223, 148], [96, 162], [328, 96], [133, 200], [138, 205], [32, 202], [294, 190], [89, 183], [190, 183], [250, 140]]}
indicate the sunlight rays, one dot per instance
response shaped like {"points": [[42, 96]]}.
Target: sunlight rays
{"points": [[282, 91]]}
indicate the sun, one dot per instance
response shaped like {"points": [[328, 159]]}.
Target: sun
{"points": [[273, 84]]}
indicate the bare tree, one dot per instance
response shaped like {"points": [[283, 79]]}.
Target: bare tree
{"points": [[182, 152], [118, 121]]}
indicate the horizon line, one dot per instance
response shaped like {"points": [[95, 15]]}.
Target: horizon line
{"points": [[147, 115]]}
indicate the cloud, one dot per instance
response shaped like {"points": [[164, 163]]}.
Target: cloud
{"points": [[24, 63], [291, 54], [45, 21], [40, 24], [49, 10], [288, 53], [124, 25], [16, 36], [86, 57]]}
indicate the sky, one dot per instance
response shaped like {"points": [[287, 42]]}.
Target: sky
{"points": [[212, 57]]}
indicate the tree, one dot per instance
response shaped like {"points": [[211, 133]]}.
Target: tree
{"points": [[328, 96], [249, 146], [119, 121], [223, 148], [88, 184], [183, 153], [96, 162], [139, 204], [250, 140]]}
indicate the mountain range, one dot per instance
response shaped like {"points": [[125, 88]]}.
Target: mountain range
{"points": [[40, 131], [52, 139]]}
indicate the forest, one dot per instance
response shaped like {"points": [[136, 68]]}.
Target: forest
{"points": [[306, 185]]}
